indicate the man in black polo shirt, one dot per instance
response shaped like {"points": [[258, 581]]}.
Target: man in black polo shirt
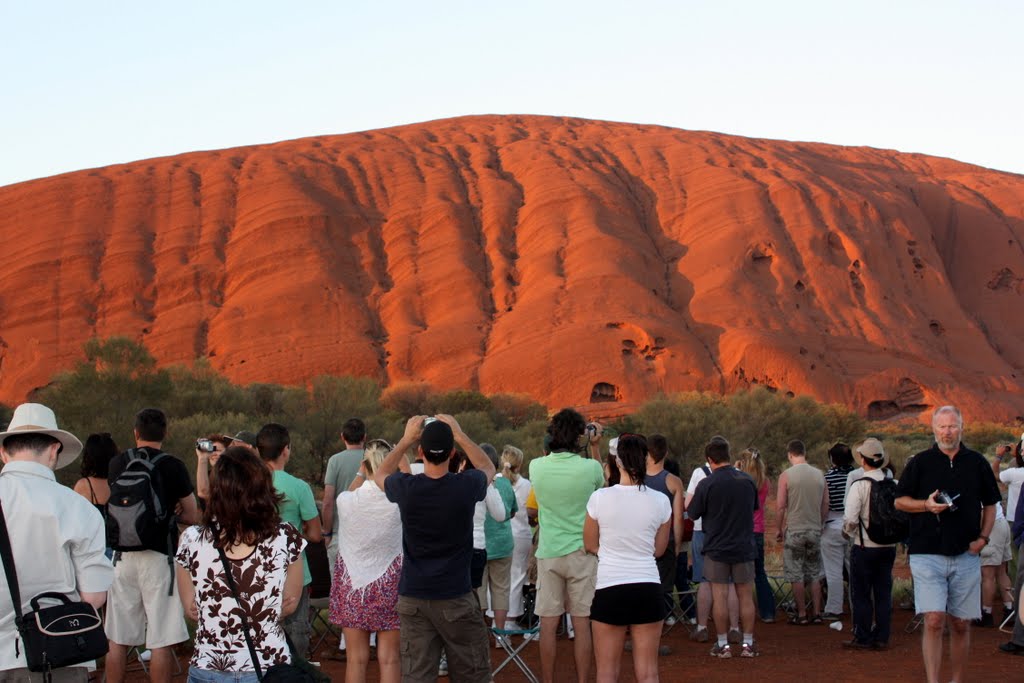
{"points": [[436, 602], [946, 539], [725, 501]]}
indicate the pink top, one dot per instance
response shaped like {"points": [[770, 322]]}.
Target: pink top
{"points": [[762, 496]]}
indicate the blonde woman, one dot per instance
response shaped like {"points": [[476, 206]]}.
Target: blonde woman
{"points": [[364, 592], [752, 463], [522, 536]]}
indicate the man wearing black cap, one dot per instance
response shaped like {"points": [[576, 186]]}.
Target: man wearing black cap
{"points": [[436, 601]]}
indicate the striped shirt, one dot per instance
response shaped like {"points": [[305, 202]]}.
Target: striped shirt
{"points": [[835, 480]]}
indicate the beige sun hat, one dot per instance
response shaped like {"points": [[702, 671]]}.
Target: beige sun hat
{"points": [[872, 450], [35, 418]]}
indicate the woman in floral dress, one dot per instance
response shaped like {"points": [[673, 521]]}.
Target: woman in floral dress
{"points": [[266, 563], [364, 591]]}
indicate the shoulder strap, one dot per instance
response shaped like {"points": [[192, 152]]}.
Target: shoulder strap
{"points": [[92, 494], [245, 621], [8, 559], [860, 520]]}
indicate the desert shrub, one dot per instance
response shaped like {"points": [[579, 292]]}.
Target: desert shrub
{"points": [[461, 401], [409, 398], [513, 411]]}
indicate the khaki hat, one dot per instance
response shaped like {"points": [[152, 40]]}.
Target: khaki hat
{"points": [[872, 450], [35, 418]]}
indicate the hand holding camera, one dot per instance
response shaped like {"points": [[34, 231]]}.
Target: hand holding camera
{"points": [[940, 501]]}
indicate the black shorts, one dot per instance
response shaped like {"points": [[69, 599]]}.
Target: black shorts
{"points": [[629, 603]]}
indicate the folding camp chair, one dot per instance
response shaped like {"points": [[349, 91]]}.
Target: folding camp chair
{"points": [[681, 614], [319, 596], [137, 652], [504, 637], [783, 592], [1007, 624]]}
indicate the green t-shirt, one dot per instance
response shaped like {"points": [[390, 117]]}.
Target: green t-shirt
{"points": [[562, 483], [297, 507], [341, 470], [498, 535]]}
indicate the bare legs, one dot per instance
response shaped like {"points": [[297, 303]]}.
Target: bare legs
{"points": [[608, 644]]}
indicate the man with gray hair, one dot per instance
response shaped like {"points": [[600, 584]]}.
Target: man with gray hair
{"points": [[950, 492]]}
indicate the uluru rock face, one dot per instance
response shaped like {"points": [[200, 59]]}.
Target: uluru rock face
{"points": [[578, 261]]}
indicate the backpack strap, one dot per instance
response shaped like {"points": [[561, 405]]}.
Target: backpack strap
{"points": [[860, 519]]}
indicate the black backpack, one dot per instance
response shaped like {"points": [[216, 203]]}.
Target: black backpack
{"points": [[138, 514], [886, 524]]}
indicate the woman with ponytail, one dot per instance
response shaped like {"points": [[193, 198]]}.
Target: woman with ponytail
{"points": [[752, 463], [522, 535], [627, 526]]}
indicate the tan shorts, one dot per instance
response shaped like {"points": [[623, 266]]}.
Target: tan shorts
{"points": [[566, 584], [497, 578], [997, 550], [139, 610]]}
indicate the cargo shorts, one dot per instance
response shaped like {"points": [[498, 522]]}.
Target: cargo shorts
{"points": [[801, 556]]}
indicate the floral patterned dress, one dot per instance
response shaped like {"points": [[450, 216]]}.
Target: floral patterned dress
{"points": [[220, 638]]}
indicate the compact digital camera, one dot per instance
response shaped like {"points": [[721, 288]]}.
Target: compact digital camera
{"points": [[946, 498], [204, 445]]}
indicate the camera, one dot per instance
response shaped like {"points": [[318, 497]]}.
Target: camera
{"points": [[945, 498], [205, 445], [591, 429], [428, 420]]}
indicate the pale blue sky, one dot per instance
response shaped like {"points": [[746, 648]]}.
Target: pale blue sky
{"points": [[87, 84]]}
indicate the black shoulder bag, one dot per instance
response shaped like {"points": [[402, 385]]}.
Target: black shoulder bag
{"points": [[297, 672], [62, 635]]}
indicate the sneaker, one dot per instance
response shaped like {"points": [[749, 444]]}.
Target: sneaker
{"points": [[735, 637], [442, 669], [699, 634], [1012, 648], [749, 650], [831, 616], [721, 651], [497, 642], [986, 621], [532, 636], [664, 650], [856, 645], [670, 620]]}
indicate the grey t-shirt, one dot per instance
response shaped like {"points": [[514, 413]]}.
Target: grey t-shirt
{"points": [[341, 470]]}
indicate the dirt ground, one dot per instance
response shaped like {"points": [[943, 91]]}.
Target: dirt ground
{"points": [[788, 653]]}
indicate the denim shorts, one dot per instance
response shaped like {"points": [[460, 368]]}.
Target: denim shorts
{"points": [[697, 553], [209, 676], [950, 584]]}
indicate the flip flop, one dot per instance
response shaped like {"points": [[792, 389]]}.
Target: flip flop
{"points": [[816, 619], [798, 621]]}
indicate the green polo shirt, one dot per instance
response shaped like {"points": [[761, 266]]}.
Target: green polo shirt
{"points": [[297, 507], [562, 484]]}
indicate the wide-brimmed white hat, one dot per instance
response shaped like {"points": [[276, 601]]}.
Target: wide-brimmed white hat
{"points": [[35, 418]]}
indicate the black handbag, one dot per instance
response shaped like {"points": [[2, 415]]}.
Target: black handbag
{"points": [[61, 635], [299, 671]]}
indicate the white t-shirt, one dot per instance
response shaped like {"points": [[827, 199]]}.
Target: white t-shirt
{"points": [[696, 478], [628, 518], [1013, 478], [521, 520]]}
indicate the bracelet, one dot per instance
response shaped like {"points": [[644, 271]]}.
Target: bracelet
{"points": [[360, 474]]}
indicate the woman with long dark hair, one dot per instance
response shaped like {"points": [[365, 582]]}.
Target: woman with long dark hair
{"points": [[627, 526], [96, 455], [265, 556]]}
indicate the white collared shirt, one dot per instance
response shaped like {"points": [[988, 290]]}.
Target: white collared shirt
{"points": [[858, 510], [57, 539]]}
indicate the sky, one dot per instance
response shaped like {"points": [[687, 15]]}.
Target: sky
{"points": [[87, 84]]}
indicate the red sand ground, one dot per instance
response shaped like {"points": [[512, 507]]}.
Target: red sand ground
{"points": [[576, 261], [789, 653]]}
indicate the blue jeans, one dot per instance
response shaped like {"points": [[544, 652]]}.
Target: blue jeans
{"points": [[765, 594], [871, 593], [208, 676]]}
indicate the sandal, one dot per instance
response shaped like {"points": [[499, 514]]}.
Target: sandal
{"points": [[816, 619], [796, 620]]}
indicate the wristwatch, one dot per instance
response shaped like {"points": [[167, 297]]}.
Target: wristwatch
{"points": [[983, 537]]}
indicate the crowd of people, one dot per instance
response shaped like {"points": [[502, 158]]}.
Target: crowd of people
{"points": [[434, 544]]}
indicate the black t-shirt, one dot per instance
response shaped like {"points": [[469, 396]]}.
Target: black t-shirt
{"points": [[437, 531], [725, 501], [967, 474], [174, 479]]}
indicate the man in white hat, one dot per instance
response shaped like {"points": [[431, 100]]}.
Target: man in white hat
{"points": [[57, 536]]}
